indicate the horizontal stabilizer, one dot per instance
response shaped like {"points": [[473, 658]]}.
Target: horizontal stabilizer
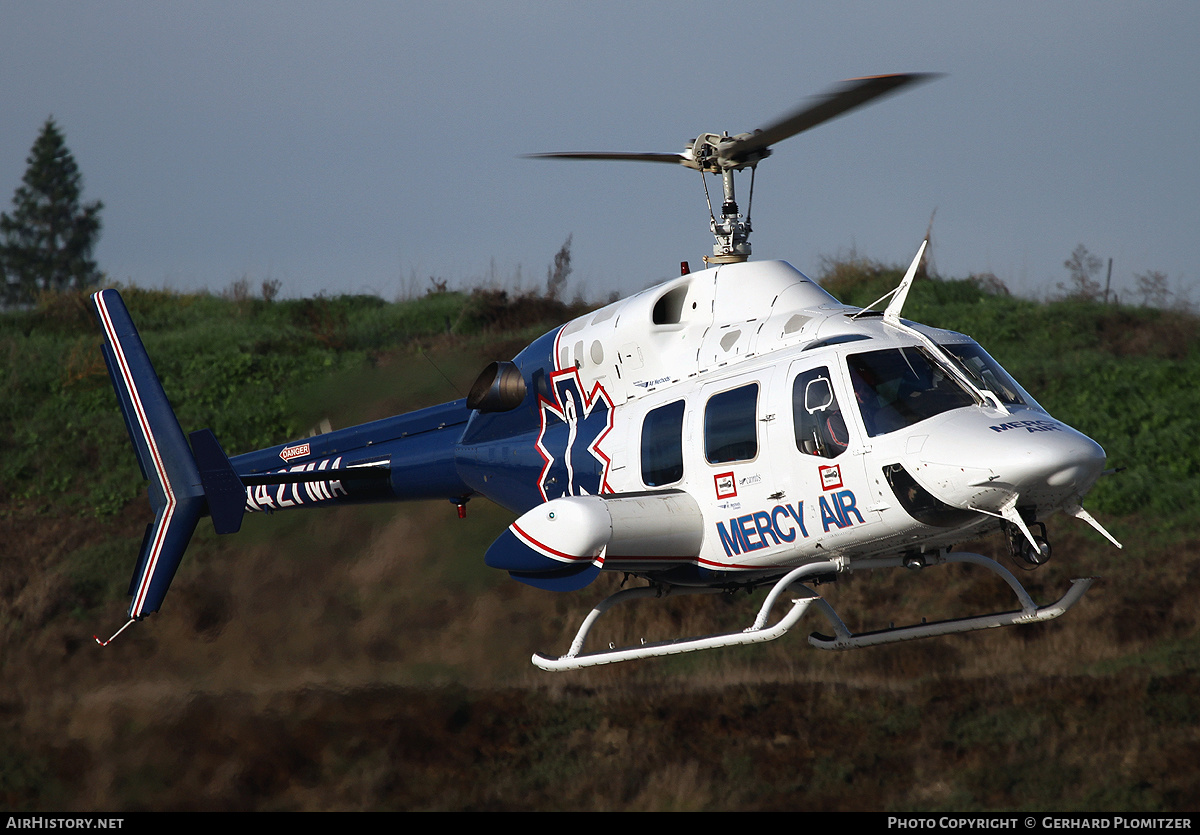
{"points": [[223, 489], [176, 492], [368, 473]]}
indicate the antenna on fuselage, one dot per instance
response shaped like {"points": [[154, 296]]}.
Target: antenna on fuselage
{"points": [[892, 313], [899, 293]]}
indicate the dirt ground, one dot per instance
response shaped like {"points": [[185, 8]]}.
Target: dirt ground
{"points": [[365, 659]]}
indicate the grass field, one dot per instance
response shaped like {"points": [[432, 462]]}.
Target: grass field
{"points": [[365, 658]]}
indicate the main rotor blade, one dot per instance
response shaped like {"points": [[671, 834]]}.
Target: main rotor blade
{"points": [[849, 95], [621, 155]]}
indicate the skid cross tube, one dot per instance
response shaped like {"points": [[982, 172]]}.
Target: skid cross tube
{"points": [[1030, 612]]}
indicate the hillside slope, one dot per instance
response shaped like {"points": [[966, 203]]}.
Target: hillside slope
{"points": [[365, 658]]}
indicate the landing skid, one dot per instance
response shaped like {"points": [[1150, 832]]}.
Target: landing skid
{"points": [[843, 638]]}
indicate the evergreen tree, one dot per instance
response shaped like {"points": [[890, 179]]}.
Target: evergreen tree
{"points": [[1083, 267], [46, 243]]}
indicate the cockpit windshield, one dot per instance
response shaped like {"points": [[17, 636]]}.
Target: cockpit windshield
{"points": [[988, 374], [899, 387]]}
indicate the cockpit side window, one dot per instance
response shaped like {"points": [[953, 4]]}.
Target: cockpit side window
{"points": [[731, 425], [662, 445], [816, 417], [899, 387]]}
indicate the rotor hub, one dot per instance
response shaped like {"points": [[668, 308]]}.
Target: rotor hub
{"points": [[722, 154]]}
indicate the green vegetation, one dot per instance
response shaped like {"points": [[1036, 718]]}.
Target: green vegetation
{"points": [[365, 658], [247, 368], [240, 367]]}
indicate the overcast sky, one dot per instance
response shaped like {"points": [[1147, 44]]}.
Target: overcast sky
{"points": [[355, 147]]}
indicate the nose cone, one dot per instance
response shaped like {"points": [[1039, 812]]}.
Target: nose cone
{"points": [[975, 461]]}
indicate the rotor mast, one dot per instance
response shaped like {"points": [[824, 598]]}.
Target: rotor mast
{"points": [[732, 232]]}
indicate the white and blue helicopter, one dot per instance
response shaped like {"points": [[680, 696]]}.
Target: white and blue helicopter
{"points": [[733, 428]]}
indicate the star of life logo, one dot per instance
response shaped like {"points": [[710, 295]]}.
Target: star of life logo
{"points": [[573, 426]]}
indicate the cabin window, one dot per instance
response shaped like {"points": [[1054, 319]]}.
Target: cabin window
{"points": [[899, 387], [816, 417], [731, 425], [662, 445]]}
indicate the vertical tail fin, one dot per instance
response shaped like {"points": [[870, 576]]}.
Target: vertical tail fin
{"points": [[176, 489]]}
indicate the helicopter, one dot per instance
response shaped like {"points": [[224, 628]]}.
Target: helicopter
{"points": [[734, 428]]}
